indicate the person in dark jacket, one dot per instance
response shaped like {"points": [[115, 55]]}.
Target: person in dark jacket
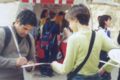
{"points": [[118, 41], [51, 27]]}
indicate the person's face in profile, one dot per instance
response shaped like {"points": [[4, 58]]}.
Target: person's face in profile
{"points": [[23, 30], [108, 23]]}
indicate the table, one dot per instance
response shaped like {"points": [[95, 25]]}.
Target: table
{"points": [[114, 55]]}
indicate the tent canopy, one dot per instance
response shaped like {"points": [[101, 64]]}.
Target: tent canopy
{"points": [[68, 2], [49, 1], [6, 1]]}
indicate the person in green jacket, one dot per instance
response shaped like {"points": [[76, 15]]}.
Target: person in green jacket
{"points": [[78, 44]]}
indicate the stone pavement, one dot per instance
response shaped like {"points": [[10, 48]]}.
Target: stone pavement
{"points": [[37, 76]]}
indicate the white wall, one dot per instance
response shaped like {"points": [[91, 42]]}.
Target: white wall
{"points": [[8, 13]]}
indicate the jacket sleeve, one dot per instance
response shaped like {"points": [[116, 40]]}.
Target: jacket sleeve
{"points": [[7, 63], [107, 45], [69, 60]]}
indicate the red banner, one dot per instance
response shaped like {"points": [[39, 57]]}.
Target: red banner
{"points": [[49, 1]]}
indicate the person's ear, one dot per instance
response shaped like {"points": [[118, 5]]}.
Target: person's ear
{"points": [[17, 21], [76, 21]]}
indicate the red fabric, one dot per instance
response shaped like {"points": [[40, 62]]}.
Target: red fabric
{"points": [[60, 1], [34, 1], [39, 50], [49, 1], [67, 1], [24, 0], [70, 1], [41, 54], [63, 47]]}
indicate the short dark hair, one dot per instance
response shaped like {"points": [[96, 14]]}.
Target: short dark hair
{"points": [[43, 14], [61, 13], [102, 19], [80, 12], [27, 17], [52, 14]]}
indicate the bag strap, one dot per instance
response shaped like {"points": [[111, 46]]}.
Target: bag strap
{"points": [[87, 56], [118, 38], [7, 38], [29, 41]]}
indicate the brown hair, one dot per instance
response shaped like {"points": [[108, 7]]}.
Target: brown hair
{"points": [[102, 19], [79, 12]]}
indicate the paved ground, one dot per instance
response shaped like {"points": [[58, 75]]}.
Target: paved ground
{"points": [[37, 76]]}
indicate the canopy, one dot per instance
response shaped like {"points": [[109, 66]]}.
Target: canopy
{"points": [[49, 1], [6, 1]]}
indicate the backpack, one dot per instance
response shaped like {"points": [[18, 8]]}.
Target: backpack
{"points": [[8, 38], [47, 36]]}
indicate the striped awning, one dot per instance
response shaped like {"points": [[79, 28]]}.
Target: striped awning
{"points": [[69, 2]]}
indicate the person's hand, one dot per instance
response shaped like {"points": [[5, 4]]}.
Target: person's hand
{"points": [[29, 69], [30, 62], [53, 63], [21, 61], [101, 71]]}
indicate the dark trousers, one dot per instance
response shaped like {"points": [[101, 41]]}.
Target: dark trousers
{"points": [[46, 69], [104, 57], [82, 77], [119, 75], [50, 55]]}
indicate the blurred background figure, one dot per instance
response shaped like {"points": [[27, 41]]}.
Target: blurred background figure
{"points": [[43, 19], [51, 30], [63, 22], [104, 24], [118, 41]]}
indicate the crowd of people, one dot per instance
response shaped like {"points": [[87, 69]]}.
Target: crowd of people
{"points": [[73, 26], [51, 27]]}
